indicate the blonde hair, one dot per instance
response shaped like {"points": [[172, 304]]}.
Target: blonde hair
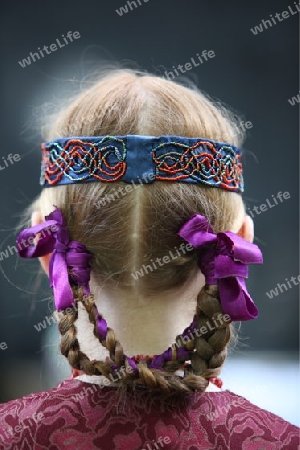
{"points": [[146, 220]]}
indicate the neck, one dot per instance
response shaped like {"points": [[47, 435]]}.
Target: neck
{"points": [[142, 325]]}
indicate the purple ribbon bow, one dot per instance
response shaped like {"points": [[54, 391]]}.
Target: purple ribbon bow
{"points": [[224, 262], [66, 254]]}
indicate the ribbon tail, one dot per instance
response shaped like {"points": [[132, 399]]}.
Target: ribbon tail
{"points": [[59, 280], [235, 299]]}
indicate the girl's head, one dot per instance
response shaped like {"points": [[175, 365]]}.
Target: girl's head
{"points": [[128, 232]]}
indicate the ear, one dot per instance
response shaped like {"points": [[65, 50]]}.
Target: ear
{"points": [[36, 219], [247, 229]]}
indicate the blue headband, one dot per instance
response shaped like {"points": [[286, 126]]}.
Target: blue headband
{"points": [[142, 159]]}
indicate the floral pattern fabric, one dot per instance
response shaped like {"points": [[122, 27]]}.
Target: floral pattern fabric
{"points": [[81, 416]]}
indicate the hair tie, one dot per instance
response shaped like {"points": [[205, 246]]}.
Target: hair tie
{"points": [[217, 381], [224, 262]]}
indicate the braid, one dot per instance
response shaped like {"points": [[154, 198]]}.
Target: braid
{"points": [[211, 346], [207, 351], [69, 344], [116, 354], [152, 378]]}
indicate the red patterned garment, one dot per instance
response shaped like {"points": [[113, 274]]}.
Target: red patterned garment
{"points": [[81, 416]]}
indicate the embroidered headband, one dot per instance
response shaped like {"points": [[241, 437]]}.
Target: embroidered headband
{"points": [[142, 159], [224, 261]]}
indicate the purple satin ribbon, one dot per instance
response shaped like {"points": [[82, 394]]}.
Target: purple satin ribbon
{"points": [[101, 325], [159, 361], [190, 328], [181, 353], [224, 261], [69, 263], [69, 260], [102, 332]]}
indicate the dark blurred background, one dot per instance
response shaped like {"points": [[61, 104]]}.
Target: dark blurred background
{"points": [[254, 74]]}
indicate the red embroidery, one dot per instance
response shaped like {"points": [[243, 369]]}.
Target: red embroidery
{"points": [[209, 165], [79, 160]]}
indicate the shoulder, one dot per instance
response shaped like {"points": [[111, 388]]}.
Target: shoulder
{"points": [[65, 389], [242, 422], [79, 412], [27, 418]]}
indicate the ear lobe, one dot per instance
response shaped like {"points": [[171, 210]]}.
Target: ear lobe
{"points": [[36, 219], [247, 229]]}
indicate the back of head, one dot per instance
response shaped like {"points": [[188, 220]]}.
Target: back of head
{"points": [[126, 230]]}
